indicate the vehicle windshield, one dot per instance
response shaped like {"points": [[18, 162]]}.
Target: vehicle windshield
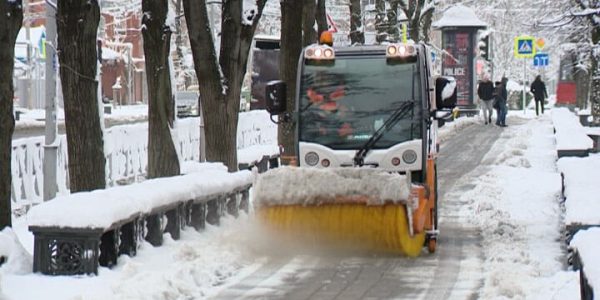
{"points": [[343, 103]]}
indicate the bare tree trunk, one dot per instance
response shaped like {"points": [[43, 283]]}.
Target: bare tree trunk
{"points": [[380, 21], [77, 25], [415, 29], [308, 23], [582, 86], [595, 81], [419, 21], [10, 23], [291, 38], [594, 84], [162, 156], [220, 78], [426, 26], [595, 91], [392, 25], [180, 72], [321, 16], [357, 33]]}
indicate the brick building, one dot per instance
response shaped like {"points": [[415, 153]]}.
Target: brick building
{"points": [[122, 49]]}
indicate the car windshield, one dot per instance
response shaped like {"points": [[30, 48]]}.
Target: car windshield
{"points": [[343, 103]]}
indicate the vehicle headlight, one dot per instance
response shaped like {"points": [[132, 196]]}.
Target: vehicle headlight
{"points": [[311, 158], [392, 50], [318, 52], [409, 156]]}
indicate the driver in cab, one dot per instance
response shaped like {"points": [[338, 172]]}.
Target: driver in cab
{"points": [[330, 111]]}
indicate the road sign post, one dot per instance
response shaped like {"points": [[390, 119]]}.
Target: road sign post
{"points": [[51, 129], [524, 48]]}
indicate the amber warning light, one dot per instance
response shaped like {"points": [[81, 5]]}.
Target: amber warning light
{"points": [[326, 38]]}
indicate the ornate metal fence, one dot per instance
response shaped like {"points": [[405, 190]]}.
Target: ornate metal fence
{"points": [[126, 148]]}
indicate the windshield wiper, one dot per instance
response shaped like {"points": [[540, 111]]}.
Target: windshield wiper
{"points": [[399, 113]]}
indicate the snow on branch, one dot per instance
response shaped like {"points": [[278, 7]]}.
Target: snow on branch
{"points": [[249, 12], [587, 12], [428, 9]]}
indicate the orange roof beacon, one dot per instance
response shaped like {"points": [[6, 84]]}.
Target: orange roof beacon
{"points": [[326, 38]]}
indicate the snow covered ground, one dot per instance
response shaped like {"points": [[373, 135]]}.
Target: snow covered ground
{"points": [[516, 203]]}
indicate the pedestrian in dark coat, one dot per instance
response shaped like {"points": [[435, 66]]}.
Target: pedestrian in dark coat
{"points": [[538, 88], [501, 96], [485, 91]]}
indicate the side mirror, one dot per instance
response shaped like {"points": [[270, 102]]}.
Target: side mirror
{"points": [[445, 92], [275, 95]]}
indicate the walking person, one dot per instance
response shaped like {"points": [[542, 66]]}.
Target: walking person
{"points": [[501, 96], [538, 88], [485, 91]]}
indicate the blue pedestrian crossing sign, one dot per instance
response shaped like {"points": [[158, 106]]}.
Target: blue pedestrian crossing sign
{"points": [[524, 47], [541, 59]]}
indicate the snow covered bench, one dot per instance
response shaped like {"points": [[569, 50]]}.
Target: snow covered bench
{"points": [[261, 157], [74, 234], [586, 246], [571, 137], [584, 117], [581, 192], [594, 134]]}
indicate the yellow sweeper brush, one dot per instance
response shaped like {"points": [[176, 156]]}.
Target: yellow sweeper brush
{"points": [[359, 208]]}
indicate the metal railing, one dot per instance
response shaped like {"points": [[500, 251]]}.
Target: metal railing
{"points": [[126, 154]]}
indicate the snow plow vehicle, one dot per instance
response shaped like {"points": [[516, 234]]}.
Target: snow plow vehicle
{"points": [[366, 121]]}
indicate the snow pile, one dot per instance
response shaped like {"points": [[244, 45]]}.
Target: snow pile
{"points": [[570, 134], [189, 166], [592, 130], [249, 12], [120, 114], [15, 257], [255, 153], [581, 189], [451, 128], [197, 266], [101, 208], [587, 243], [312, 186], [450, 88], [127, 113]]}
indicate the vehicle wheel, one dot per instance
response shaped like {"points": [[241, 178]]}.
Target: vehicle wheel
{"points": [[431, 244]]}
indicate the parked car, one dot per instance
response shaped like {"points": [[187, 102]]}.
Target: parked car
{"points": [[187, 103]]}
